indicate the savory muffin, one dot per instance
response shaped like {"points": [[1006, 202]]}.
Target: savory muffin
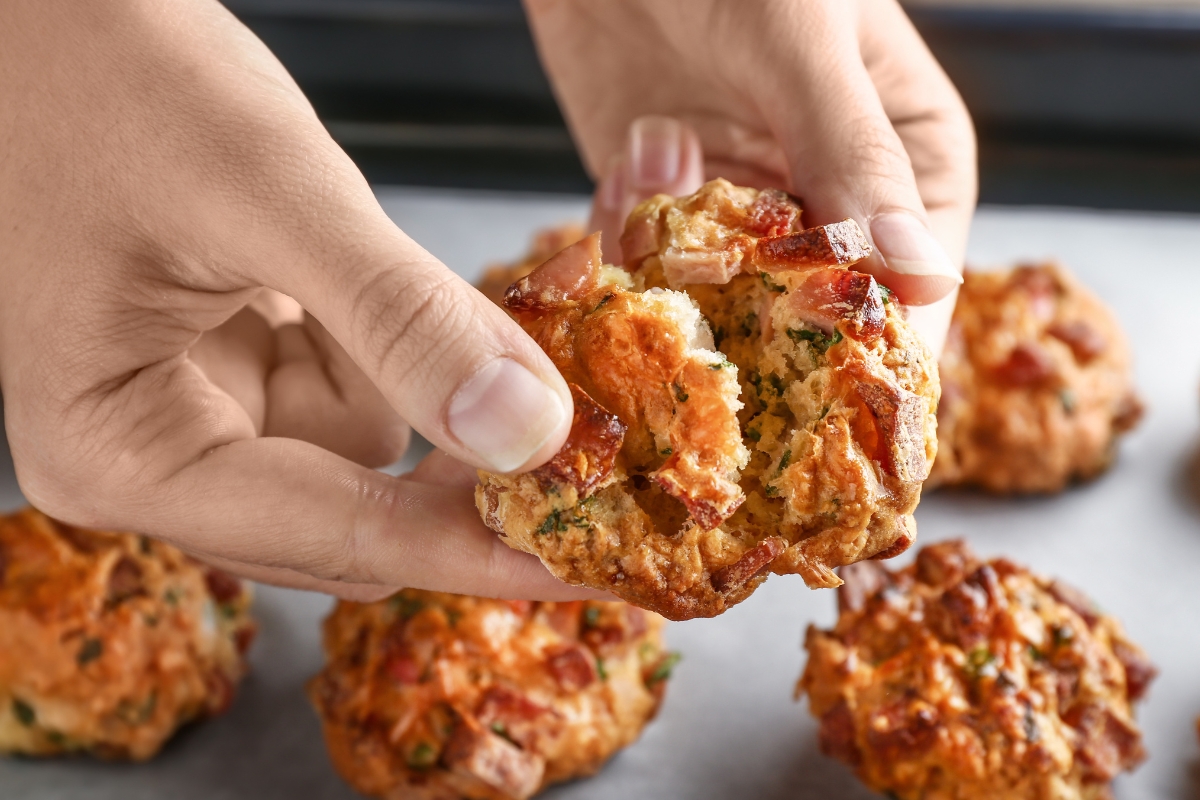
{"points": [[109, 642], [1036, 383], [963, 679], [498, 277], [744, 404], [439, 696]]}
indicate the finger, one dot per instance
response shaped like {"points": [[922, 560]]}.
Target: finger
{"points": [[277, 309], [845, 158], [444, 470], [929, 117], [237, 357], [661, 155], [316, 393], [289, 579]]}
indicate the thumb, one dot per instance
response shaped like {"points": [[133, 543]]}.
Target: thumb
{"points": [[661, 155], [452, 364], [845, 157]]}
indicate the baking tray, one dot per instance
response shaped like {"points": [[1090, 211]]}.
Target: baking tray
{"points": [[729, 728]]}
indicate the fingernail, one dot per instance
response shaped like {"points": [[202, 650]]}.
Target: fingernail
{"points": [[908, 247], [505, 414], [655, 148]]}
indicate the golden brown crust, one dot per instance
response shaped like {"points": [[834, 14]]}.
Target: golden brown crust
{"points": [[789, 428], [429, 695], [1037, 384], [110, 641], [960, 679]]}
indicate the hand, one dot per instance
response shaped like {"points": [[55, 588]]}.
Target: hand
{"points": [[837, 101], [158, 169]]}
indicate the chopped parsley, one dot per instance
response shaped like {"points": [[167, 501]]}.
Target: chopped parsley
{"points": [[885, 294], [89, 652], [772, 491], [666, 451], [600, 670], [680, 394], [784, 461], [753, 434], [663, 671], [423, 756], [749, 323], [603, 301], [725, 362], [718, 336], [591, 617], [1063, 635], [770, 284], [406, 607], [817, 339], [23, 712], [981, 663], [554, 522]]}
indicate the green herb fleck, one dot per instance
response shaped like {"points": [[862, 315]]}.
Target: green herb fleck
{"points": [[753, 434], [554, 522], [591, 616], [600, 670], [725, 362], [818, 340], [718, 336], [663, 671], [824, 412], [23, 712], [57, 738], [680, 394], [981, 663], [453, 615], [784, 461], [1067, 398], [171, 597], [772, 491], [423, 756], [770, 284], [404, 606], [89, 652], [1035, 654], [666, 451], [885, 294], [134, 714], [750, 324], [603, 301]]}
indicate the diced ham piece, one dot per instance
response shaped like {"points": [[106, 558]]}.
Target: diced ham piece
{"points": [[860, 582], [566, 276], [590, 452], [1027, 365], [900, 419], [573, 666], [223, 587], [774, 213], [837, 245], [836, 735], [752, 562], [829, 296], [683, 267], [1139, 671], [903, 730], [513, 714], [477, 753], [1107, 745], [125, 580], [1085, 342]]}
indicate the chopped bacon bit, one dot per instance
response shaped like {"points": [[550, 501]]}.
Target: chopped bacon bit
{"points": [[223, 587], [1139, 671], [708, 499], [970, 606], [590, 452], [829, 296], [476, 752], [563, 618], [900, 418], [1027, 365], [903, 730], [125, 580], [1107, 746], [573, 666], [1075, 600], [860, 582], [944, 563], [752, 562], [836, 735], [512, 714], [1085, 342], [566, 276], [1129, 412], [244, 637], [839, 244], [774, 213], [403, 667], [522, 608]]}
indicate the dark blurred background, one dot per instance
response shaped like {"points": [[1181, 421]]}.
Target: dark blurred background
{"points": [[1079, 105]]}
